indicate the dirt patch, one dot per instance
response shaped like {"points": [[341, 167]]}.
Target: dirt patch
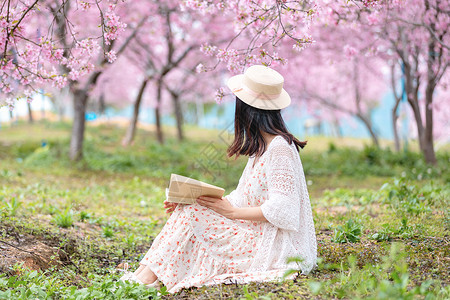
{"points": [[373, 209], [32, 255], [33, 249], [333, 210]]}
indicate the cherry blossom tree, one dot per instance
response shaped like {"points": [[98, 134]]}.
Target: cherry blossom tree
{"points": [[65, 51], [188, 85], [81, 87], [159, 49], [416, 35], [338, 76], [410, 38], [32, 52], [178, 84], [334, 90]]}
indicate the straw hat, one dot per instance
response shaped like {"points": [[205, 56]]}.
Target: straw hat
{"points": [[260, 87]]}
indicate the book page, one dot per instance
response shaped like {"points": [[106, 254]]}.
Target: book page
{"points": [[186, 190]]}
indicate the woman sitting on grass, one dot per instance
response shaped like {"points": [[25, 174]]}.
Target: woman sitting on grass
{"points": [[249, 234]]}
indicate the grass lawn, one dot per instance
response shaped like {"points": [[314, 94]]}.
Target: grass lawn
{"points": [[382, 218]]}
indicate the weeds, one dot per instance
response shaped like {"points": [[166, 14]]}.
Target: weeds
{"points": [[84, 216], [108, 232], [64, 219], [349, 233], [389, 231], [253, 295], [11, 206], [130, 240], [298, 270], [406, 197], [389, 280], [50, 285], [382, 235]]}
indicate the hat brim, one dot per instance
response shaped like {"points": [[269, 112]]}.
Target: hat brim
{"points": [[261, 102]]}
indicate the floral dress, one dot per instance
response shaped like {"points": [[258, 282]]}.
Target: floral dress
{"points": [[198, 246]]}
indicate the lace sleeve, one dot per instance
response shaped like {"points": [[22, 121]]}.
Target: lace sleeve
{"points": [[282, 207]]}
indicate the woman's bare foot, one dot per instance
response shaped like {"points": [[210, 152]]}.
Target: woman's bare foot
{"points": [[146, 275]]}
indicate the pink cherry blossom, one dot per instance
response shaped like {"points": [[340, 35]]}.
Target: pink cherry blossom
{"points": [[220, 93], [111, 56]]}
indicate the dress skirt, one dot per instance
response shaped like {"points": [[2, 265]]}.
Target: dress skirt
{"points": [[198, 246]]}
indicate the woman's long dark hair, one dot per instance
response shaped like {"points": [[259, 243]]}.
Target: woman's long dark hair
{"points": [[250, 123]]}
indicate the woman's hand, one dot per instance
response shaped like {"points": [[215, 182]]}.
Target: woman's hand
{"points": [[219, 205], [169, 206]]}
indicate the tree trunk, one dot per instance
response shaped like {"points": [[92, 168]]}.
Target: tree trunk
{"points": [[418, 118], [80, 99], [395, 129], [43, 108], [159, 132], [368, 123], [424, 133], [365, 119], [428, 146], [199, 112], [129, 136], [394, 114], [30, 113], [11, 117], [429, 154], [411, 90], [196, 113], [60, 106], [337, 128], [178, 116], [101, 104]]}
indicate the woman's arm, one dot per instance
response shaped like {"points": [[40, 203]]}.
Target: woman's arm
{"points": [[249, 213], [224, 207]]}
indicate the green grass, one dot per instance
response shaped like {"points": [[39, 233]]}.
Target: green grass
{"points": [[381, 218], [64, 219]]}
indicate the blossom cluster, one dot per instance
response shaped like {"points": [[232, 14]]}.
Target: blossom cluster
{"points": [[113, 25], [29, 62], [266, 23]]}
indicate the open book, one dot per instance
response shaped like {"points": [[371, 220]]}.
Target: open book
{"points": [[186, 190]]}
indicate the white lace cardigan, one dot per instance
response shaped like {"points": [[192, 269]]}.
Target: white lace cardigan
{"points": [[289, 231]]}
